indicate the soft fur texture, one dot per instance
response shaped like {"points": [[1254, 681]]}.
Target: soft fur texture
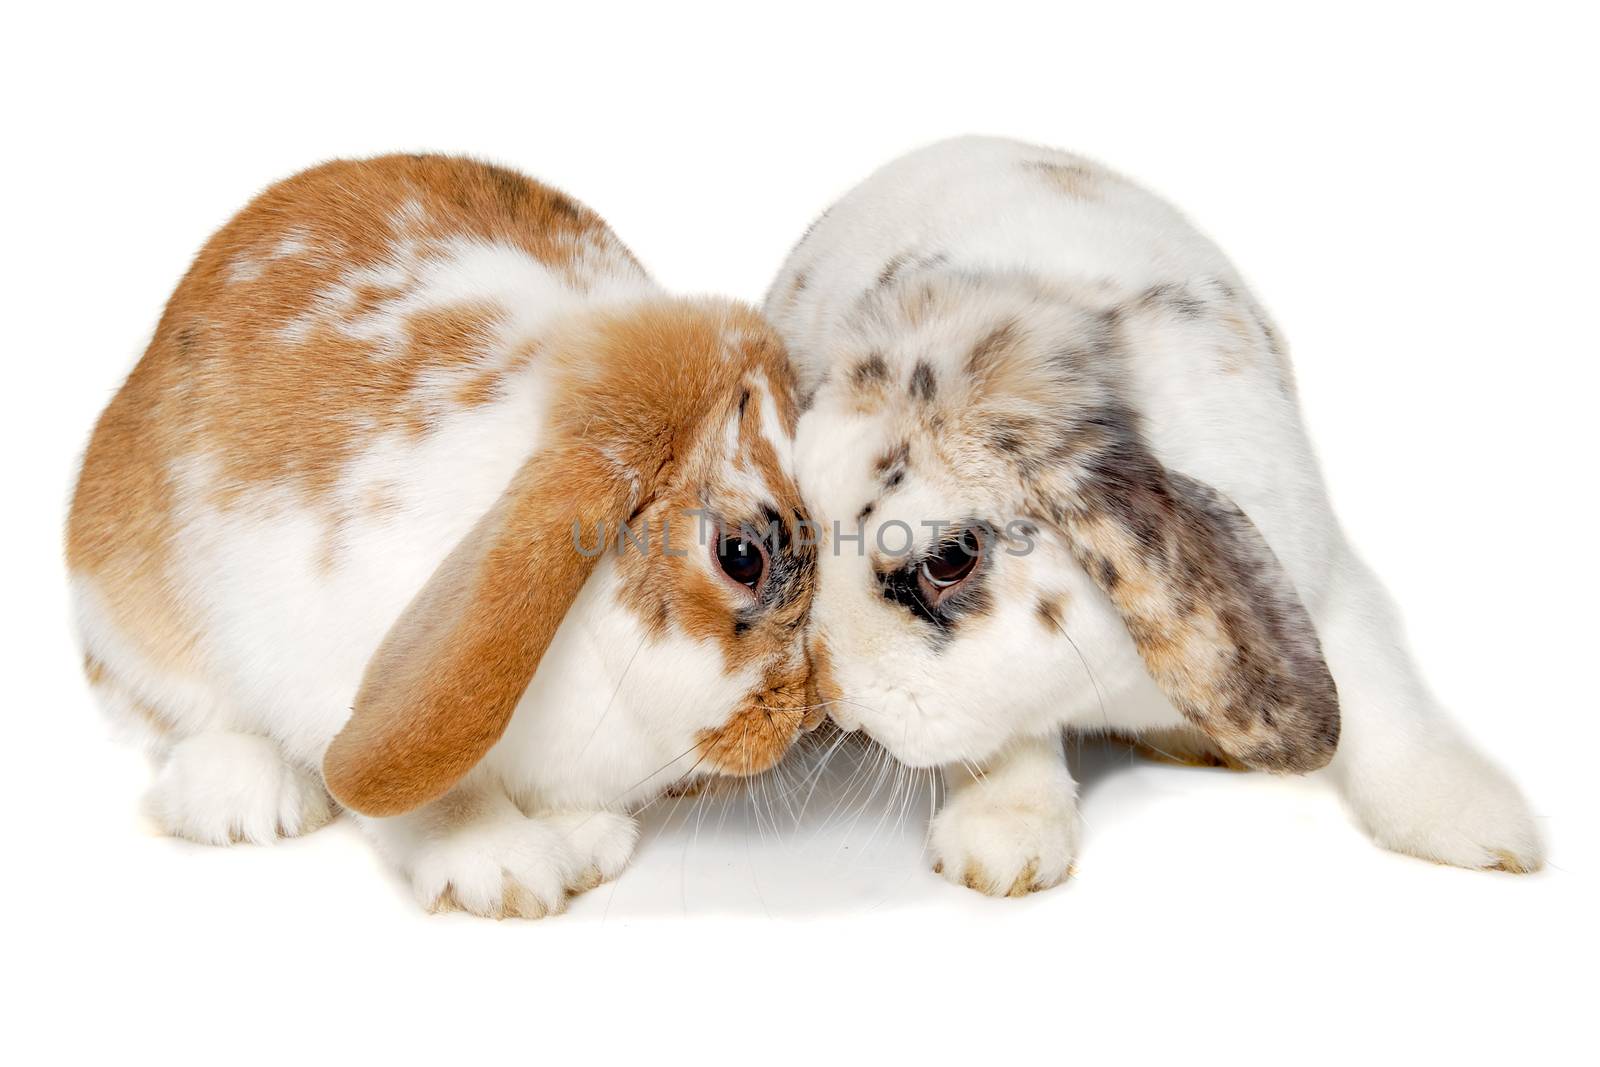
{"points": [[996, 335], [332, 523]]}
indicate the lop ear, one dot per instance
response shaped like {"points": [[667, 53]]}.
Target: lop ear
{"points": [[1214, 616], [441, 688], [631, 388]]}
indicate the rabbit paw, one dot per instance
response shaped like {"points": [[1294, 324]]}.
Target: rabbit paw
{"points": [[1452, 806], [601, 842], [1007, 838], [222, 788], [508, 866]]}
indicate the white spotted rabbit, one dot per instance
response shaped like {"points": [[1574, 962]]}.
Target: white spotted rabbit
{"points": [[1052, 362]]}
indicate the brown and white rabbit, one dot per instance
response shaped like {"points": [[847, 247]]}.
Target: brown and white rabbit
{"points": [[1061, 442], [351, 499]]}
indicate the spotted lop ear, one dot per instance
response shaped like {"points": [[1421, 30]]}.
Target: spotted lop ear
{"points": [[1214, 616]]}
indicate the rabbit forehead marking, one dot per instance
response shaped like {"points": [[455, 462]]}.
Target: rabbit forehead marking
{"points": [[734, 479]]}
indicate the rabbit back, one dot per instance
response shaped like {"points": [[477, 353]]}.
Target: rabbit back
{"points": [[345, 379]]}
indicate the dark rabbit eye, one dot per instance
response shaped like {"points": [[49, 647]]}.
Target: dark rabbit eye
{"points": [[951, 563], [742, 560]]}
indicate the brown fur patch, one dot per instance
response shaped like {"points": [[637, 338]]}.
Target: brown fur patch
{"points": [[890, 467], [973, 877], [917, 303], [1509, 863], [333, 418], [890, 269], [694, 787], [824, 689], [809, 397], [1025, 881], [1236, 357], [869, 383], [151, 717], [1180, 747], [759, 733], [997, 343], [251, 367], [1178, 301], [1051, 610], [870, 371], [1075, 179]]}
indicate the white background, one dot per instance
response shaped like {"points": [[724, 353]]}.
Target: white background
{"points": [[1412, 192]]}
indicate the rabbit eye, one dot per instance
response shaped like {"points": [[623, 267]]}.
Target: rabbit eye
{"points": [[742, 560], [950, 565]]}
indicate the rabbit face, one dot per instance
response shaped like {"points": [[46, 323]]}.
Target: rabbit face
{"points": [[655, 529], [996, 523], [718, 561]]}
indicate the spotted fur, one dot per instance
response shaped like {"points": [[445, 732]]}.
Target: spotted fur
{"points": [[1079, 366], [327, 532]]}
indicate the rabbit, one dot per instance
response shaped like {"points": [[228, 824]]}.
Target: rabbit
{"points": [[427, 501], [1055, 445]]}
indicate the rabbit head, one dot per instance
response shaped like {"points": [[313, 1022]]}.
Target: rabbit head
{"points": [[987, 491], [666, 453]]}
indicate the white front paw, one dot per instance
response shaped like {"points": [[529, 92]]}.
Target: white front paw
{"points": [[1450, 805], [1008, 839], [485, 857], [601, 843], [501, 867]]}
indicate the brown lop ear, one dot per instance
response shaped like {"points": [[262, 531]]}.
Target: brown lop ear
{"points": [[1214, 616], [631, 389], [441, 688]]}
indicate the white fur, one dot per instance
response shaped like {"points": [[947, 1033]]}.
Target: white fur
{"points": [[1217, 404], [1010, 830], [220, 787], [290, 603]]}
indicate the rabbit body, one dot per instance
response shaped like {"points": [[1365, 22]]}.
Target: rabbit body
{"points": [[991, 330], [319, 442]]}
